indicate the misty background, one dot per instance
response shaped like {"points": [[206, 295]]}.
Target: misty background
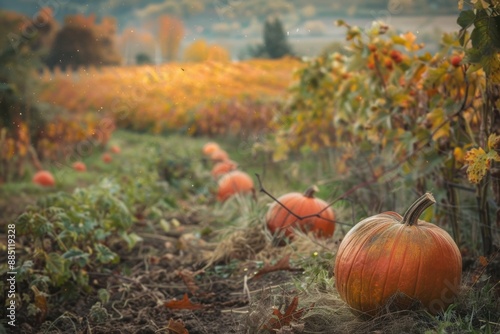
{"points": [[237, 25]]}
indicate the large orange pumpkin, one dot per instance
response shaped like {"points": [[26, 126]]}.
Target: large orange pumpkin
{"points": [[233, 183], [44, 178], [210, 148], [279, 220], [223, 167], [391, 261]]}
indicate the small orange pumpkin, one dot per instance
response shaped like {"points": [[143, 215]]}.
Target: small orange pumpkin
{"points": [[279, 220], [79, 166], [219, 155], [387, 258], [223, 167], [115, 149], [107, 158], [44, 178], [210, 148], [233, 183]]}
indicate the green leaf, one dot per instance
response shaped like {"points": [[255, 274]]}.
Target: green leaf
{"points": [[473, 56], [103, 296], [57, 268], [486, 34], [131, 239], [466, 18], [434, 75], [77, 256], [5, 87], [491, 66], [105, 255]]}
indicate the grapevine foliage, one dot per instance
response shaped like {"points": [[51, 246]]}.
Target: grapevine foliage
{"points": [[385, 97], [480, 38]]}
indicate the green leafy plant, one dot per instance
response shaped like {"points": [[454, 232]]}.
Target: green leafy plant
{"points": [[480, 38]]}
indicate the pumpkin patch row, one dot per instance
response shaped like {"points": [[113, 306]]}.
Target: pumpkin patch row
{"points": [[385, 262], [45, 178], [230, 180]]}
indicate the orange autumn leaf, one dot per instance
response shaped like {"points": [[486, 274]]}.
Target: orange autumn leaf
{"points": [[183, 304], [483, 261], [290, 315], [176, 327]]}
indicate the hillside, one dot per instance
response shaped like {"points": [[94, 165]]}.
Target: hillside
{"points": [[196, 12]]}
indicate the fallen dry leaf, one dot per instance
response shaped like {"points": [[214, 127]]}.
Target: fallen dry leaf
{"points": [[284, 320], [41, 304], [176, 327], [183, 304], [283, 264], [188, 279]]}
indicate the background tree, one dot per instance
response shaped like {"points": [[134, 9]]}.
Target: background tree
{"points": [[275, 41], [81, 42], [143, 58], [106, 37], [46, 31], [170, 34], [20, 116]]}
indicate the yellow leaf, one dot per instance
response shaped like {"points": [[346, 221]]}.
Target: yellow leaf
{"points": [[459, 154], [440, 125], [476, 159], [410, 39], [493, 142], [479, 163]]}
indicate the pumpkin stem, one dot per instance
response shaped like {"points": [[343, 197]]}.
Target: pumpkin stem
{"points": [[417, 208], [309, 193]]}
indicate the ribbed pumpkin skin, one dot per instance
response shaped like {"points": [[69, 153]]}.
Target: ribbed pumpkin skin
{"points": [[44, 178], [380, 257], [278, 219], [232, 183]]}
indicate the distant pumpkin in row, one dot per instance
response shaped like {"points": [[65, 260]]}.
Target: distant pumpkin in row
{"points": [[223, 167], [107, 158], [79, 166], [232, 183], [210, 148], [44, 178]]}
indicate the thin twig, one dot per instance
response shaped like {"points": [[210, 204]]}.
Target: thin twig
{"points": [[318, 214], [246, 290]]}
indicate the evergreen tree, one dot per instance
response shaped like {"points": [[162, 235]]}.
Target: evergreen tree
{"points": [[275, 42]]}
